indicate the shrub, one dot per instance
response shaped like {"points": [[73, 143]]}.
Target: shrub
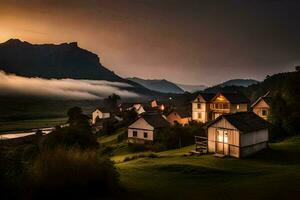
{"points": [[71, 173], [70, 137]]}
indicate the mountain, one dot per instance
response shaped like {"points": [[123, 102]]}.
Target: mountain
{"points": [[163, 85], [238, 82], [65, 60], [191, 88], [231, 84]]}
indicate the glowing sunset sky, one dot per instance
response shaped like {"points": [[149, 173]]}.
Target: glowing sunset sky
{"points": [[191, 41]]}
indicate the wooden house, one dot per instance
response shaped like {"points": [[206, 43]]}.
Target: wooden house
{"points": [[146, 127], [182, 116], [100, 113], [261, 106], [238, 135], [207, 107]]}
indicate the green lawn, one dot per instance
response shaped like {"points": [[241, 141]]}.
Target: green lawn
{"points": [[21, 125], [271, 174]]}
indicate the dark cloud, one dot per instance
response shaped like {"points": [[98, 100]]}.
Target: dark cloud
{"points": [[189, 41]]}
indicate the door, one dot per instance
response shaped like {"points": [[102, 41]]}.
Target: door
{"points": [[222, 142]]}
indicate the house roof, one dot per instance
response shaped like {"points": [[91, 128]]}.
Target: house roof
{"points": [[267, 99], [183, 112], [244, 121], [206, 96], [156, 120], [234, 97]]}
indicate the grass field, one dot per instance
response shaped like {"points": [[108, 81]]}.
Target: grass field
{"points": [[271, 174], [21, 125]]}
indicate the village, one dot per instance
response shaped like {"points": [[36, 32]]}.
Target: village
{"points": [[232, 126]]}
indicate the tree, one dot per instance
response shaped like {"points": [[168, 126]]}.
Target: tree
{"points": [[77, 118], [112, 101]]}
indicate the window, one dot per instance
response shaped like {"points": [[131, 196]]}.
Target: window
{"points": [[238, 106], [264, 112], [225, 137], [199, 105], [134, 133], [145, 135], [222, 136], [199, 116]]}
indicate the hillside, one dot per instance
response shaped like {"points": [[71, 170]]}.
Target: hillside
{"points": [[233, 82], [191, 88], [158, 85], [144, 174]]}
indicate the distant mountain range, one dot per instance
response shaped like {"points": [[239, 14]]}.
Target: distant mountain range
{"points": [[191, 88], [165, 86], [67, 60], [158, 85]]}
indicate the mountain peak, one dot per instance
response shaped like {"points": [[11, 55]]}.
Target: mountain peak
{"points": [[14, 41]]}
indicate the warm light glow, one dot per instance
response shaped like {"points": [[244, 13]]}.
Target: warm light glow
{"points": [[221, 98]]}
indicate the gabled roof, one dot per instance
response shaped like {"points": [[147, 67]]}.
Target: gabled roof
{"points": [[155, 120], [266, 98], [206, 96], [235, 97], [183, 112], [244, 121]]}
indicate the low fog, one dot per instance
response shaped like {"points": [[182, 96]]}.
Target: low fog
{"points": [[11, 84]]}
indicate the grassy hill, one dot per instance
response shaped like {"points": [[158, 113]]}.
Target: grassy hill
{"points": [[271, 174]]}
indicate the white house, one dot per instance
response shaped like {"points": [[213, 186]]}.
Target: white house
{"points": [[145, 128], [238, 135], [100, 113], [207, 107]]}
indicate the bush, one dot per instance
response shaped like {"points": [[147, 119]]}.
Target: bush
{"points": [[70, 137], [71, 173], [179, 136]]}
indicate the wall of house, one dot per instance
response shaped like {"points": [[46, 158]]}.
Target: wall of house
{"points": [[256, 137], [202, 111], [141, 126], [246, 151], [100, 115], [140, 134], [257, 109], [232, 146]]}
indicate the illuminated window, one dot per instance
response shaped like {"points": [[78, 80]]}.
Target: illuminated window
{"points": [[220, 137], [238, 107], [134, 133], [225, 137]]}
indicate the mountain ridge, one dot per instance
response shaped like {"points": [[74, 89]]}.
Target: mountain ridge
{"points": [[159, 85]]}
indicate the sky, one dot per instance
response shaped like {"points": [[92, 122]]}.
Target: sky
{"points": [[184, 41]]}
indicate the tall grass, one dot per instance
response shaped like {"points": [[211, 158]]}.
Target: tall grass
{"points": [[71, 173]]}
